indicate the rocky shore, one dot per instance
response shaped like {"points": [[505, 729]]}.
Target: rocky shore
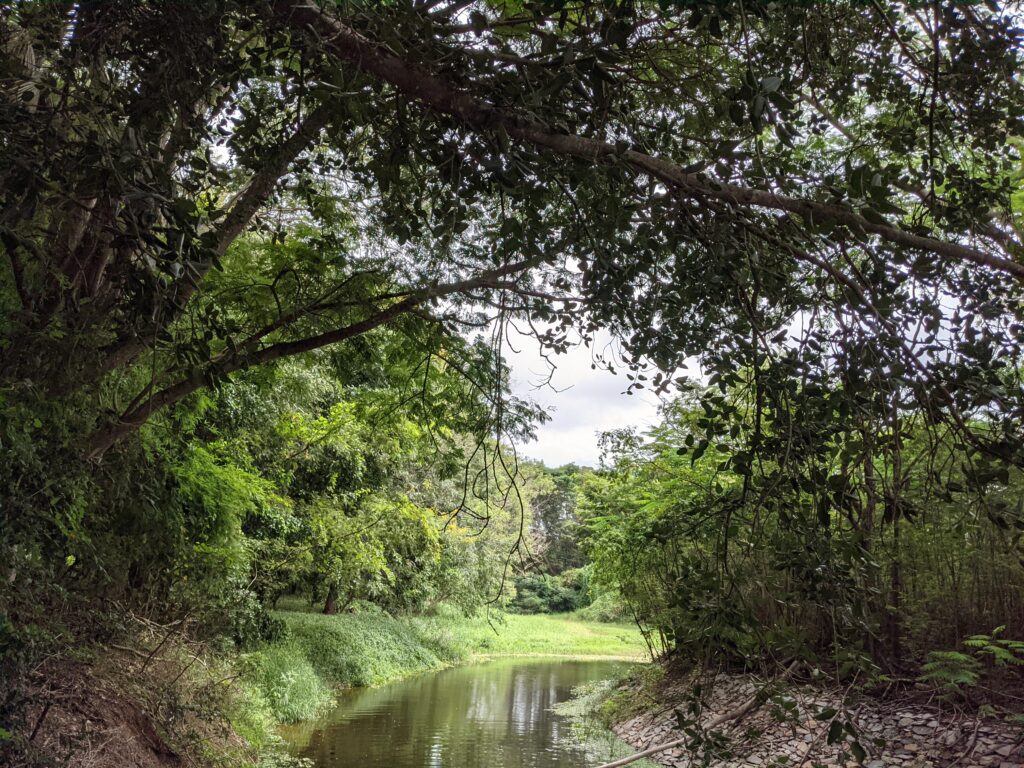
{"points": [[792, 728]]}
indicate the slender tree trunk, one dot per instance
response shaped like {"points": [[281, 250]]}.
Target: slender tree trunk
{"points": [[895, 572], [896, 595], [331, 603], [874, 605], [867, 519]]}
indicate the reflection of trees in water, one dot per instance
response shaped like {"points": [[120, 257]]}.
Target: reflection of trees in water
{"points": [[493, 714]]}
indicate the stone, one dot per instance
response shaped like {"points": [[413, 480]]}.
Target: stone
{"points": [[905, 738]]}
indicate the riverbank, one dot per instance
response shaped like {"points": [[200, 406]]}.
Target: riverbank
{"points": [[294, 679], [153, 697], [743, 721]]}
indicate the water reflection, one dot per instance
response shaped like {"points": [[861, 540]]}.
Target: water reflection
{"points": [[495, 715]]}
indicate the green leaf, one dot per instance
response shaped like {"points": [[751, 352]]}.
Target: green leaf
{"points": [[858, 751], [835, 732]]}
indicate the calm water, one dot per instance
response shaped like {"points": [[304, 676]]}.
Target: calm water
{"points": [[493, 715]]}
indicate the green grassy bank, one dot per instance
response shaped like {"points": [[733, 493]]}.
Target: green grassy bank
{"points": [[294, 678], [536, 635]]}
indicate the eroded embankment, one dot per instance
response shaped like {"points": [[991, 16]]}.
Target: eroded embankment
{"points": [[809, 725]]}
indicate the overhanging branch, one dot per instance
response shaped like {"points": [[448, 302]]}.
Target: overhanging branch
{"points": [[245, 205], [439, 95], [227, 363]]}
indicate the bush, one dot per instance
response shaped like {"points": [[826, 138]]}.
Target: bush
{"points": [[606, 607], [358, 650], [543, 593], [292, 679], [251, 624]]}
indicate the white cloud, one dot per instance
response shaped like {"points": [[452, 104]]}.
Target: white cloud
{"points": [[582, 401]]}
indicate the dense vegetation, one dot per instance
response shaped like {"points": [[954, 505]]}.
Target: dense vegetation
{"points": [[261, 264], [868, 570]]}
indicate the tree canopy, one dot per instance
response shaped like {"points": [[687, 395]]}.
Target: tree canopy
{"points": [[697, 177], [261, 263]]}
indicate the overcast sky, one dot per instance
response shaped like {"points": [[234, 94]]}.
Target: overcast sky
{"points": [[581, 401]]}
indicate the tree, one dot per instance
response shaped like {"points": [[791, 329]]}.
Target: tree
{"points": [[554, 521], [823, 554], [242, 243], [815, 203], [693, 177]]}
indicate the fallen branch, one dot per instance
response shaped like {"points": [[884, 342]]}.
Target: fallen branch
{"points": [[743, 709], [970, 744], [134, 651]]}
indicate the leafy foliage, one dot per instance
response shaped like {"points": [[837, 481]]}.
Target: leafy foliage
{"points": [[957, 672], [259, 263], [950, 669], [541, 593], [718, 560]]}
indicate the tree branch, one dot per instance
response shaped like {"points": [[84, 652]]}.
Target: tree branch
{"points": [[129, 421], [245, 206], [369, 57]]}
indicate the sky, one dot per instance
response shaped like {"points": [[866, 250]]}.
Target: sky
{"points": [[581, 402]]}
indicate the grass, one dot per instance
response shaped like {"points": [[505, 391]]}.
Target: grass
{"points": [[294, 677], [361, 650], [535, 635], [281, 679]]}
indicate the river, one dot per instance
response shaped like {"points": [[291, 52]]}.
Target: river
{"points": [[491, 715]]}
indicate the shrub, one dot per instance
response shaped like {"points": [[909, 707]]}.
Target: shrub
{"points": [[606, 607], [543, 593], [950, 670], [357, 650], [954, 672]]}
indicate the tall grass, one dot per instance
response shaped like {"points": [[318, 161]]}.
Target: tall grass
{"points": [[365, 649], [282, 679]]}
